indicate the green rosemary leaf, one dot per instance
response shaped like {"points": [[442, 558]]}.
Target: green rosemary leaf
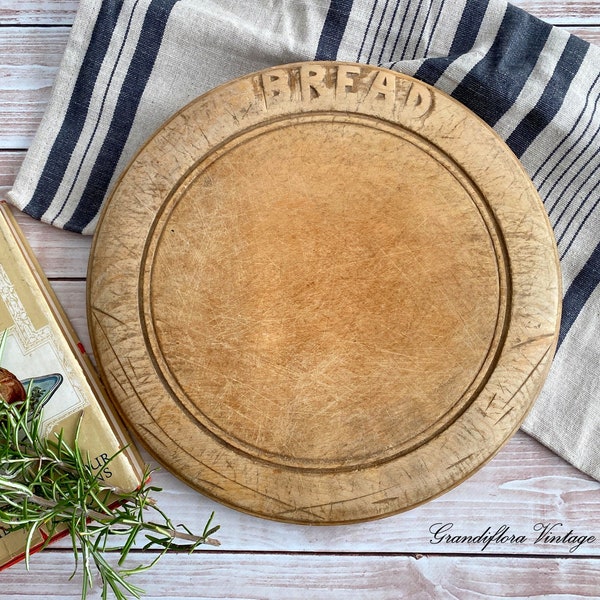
{"points": [[48, 482], [14, 486], [208, 530], [129, 543]]}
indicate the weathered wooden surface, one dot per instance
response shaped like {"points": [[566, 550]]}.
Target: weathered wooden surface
{"points": [[305, 577], [332, 347], [30, 59], [62, 12], [591, 34], [560, 12], [62, 255], [37, 12], [523, 485]]}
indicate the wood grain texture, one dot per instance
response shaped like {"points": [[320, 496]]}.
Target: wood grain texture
{"points": [[62, 12], [562, 12], [296, 577], [353, 329], [590, 34], [61, 254], [30, 60], [10, 162], [71, 295], [38, 12]]}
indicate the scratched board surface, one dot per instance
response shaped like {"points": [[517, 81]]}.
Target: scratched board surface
{"points": [[334, 346], [525, 525]]}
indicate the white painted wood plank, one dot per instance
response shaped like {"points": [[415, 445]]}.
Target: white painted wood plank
{"points": [[590, 34], [38, 12], [60, 12], [62, 254], [29, 60], [10, 163], [71, 295], [306, 577], [563, 12]]}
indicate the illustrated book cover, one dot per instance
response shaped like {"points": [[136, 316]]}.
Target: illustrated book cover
{"points": [[40, 348]]}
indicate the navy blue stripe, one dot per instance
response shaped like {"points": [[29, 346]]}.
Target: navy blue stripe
{"points": [[568, 136], [423, 29], [376, 36], [400, 28], [494, 84], [580, 227], [76, 113], [464, 40], [101, 111], [362, 44], [568, 168], [412, 28], [579, 292], [126, 107], [433, 28], [333, 29], [389, 31], [591, 193], [573, 193], [552, 98]]}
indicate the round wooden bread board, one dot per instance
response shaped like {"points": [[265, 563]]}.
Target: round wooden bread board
{"points": [[324, 293]]}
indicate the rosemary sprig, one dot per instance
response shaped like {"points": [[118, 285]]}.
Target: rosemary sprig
{"points": [[48, 483]]}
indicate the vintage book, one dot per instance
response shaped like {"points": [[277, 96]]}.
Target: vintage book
{"points": [[42, 350]]}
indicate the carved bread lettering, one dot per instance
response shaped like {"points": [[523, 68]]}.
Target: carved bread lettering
{"points": [[380, 89]]}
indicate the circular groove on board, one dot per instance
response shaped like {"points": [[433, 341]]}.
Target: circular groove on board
{"points": [[324, 293]]}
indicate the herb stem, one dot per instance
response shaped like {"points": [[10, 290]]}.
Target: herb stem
{"points": [[103, 517], [48, 483]]}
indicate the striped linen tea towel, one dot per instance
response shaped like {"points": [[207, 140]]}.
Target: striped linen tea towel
{"points": [[130, 64]]}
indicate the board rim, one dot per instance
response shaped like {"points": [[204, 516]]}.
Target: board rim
{"points": [[153, 448]]}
